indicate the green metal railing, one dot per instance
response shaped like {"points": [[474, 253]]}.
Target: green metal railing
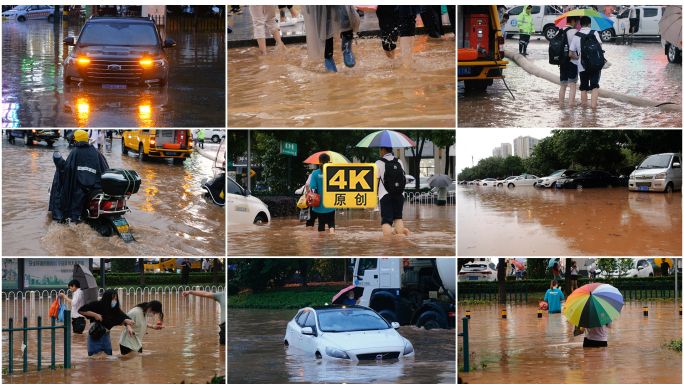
{"points": [[39, 328], [641, 291], [486, 292], [466, 346]]}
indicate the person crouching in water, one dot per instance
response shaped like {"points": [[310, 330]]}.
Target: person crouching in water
{"points": [[108, 312], [554, 296], [129, 343], [324, 214]]}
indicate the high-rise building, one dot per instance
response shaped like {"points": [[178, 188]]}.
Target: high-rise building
{"points": [[506, 150], [523, 146], [497, 152]]}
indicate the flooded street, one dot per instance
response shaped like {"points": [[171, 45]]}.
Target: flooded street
{"points": [[594, 221], [357, 232], [288, 90], [169, 215], [256, 354], [525, 349], [34, 94], [187, 349], [640, 70]]}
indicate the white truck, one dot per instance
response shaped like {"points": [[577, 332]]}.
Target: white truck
{"points": [[544, 17], [647, 26], [410, 291]]}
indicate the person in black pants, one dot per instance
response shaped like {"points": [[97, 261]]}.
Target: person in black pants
{"points": [[393, 26], [185, 272], [432, 20]]}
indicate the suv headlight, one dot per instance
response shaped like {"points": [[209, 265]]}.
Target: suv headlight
{"points": [[149, 63], [661, 175], [631, 176], [408, 348], [332, 352]]}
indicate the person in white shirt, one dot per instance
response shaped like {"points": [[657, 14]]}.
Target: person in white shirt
{"points": [[78, 321], [96, 138], [589, 81], [568, 71], [206, 265], [391, 204]]}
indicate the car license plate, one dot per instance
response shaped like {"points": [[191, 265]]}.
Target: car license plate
{"points": [[642, 188], [464, 70], [558, 185], [171, 153], [472, 278], [114, 86]]}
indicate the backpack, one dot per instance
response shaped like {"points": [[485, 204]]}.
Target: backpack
{"points": [[558, 48], [394, 178], [592, 55]]}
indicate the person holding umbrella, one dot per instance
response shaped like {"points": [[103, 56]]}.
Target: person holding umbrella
{"points": [[594, 307], [346, 296], [441, 182], [78, 322], [519, 267]]}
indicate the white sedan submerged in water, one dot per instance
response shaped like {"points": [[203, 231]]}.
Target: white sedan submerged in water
{"points": [[350, 333]]}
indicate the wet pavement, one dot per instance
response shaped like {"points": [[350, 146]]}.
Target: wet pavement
{"points": [[595, 221], [525, 349], [34, 94], [187, 349], [357, 232], [256, 354], [640, 70], [287, 90], [169, 215]]}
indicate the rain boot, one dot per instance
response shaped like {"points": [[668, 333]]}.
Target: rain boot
{"points": [[330, 64], [347, 53], [520, 47]]}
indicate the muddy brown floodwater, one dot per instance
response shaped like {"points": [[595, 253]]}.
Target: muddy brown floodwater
{"points": [[357, 232], [525, 349], [595, 221], [286, 89], [187, 349], [256, 354], [169, 215]]}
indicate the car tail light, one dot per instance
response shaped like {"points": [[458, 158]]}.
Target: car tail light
{"points": [[487, 272], [501, 47], [461, 273], [152, 140], [120, 204]]}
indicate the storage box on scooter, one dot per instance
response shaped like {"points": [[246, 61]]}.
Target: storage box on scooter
{"points": [[120, 182]]}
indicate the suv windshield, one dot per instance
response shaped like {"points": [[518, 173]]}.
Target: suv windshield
{"points": [[656, 161], [118, 33], [557, 173], [350, 320]]}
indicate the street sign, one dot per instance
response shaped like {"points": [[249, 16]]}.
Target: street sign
{"points": [[350, 185], [288, 148], [252, 173]]}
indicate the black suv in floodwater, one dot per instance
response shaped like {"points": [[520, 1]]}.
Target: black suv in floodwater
{"points": [[116, 51]]}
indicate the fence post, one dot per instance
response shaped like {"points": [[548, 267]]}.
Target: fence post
{"points": [[466, 349], [526, 292], [33, 304], [25, 353], [53, 342], [67, 340], [39, 332]]}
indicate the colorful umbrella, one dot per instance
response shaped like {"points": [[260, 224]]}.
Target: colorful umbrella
{"points": [[335, 158], [667, 260], [593, 305], [552, 261], [518, 264], [599, 21], [390, 139]]}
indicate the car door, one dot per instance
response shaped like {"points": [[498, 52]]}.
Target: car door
{"points": [[649, 21], [308, 343], [38, 12], [643, 264], [296, 331], [676, 172], [238, 209]]}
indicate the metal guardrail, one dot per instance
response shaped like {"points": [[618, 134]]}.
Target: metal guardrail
{"points": [[39, 328], [645, 291]]}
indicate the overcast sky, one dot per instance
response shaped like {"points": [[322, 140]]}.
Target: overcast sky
{"points": [[480, 142]]}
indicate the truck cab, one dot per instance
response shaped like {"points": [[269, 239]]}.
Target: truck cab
{"points": [[480, 46], [159, 143], [544, 17], [416, 292]]}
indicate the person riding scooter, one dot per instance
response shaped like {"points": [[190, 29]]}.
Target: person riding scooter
{"points": [[75, 178]]}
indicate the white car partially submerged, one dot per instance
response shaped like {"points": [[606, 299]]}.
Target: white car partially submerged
{"points": [[243, 208], [352, 333]]}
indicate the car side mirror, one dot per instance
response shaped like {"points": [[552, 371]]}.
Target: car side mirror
{"points": [[640, 268], [247, 192], [636, 167], [69, 41], [169, 43], [395, 325], [676, 165], [308, 331]]}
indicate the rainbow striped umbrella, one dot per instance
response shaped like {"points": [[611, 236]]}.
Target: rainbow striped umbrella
{"points": [[335, 158], [593, 305], [386, 138], [599, 21]]}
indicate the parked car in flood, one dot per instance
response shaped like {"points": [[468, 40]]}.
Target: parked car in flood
{"points": [[502, 182], [488, 181], [640, 268], [658, 173], [522, 180], [550, 180], [477, 271], [473, 182], [589, 179]]}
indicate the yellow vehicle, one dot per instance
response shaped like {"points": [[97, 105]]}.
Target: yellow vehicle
{"points": [[167, 265], [480, 46], [159, 143]]}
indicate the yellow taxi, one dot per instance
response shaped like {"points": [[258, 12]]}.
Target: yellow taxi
{"points": [[158, 143]]}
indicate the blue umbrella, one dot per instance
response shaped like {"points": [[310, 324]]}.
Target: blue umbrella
{"points": [[552, 261]]}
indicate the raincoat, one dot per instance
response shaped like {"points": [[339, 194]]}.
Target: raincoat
{"points": [[525, 22], [554, 297], [75, 178], [200, 134]]}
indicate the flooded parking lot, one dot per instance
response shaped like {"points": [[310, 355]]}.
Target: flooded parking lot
{"points": [[595, 221], [256, 353], [34, 94], [640, 70], [525, 349], [357, 232], [286, 89], [169, 215]]}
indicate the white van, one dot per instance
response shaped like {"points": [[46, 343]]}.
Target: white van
{"points": [[658, 173]]}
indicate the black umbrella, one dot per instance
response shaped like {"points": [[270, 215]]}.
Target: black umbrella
{"points": [[589, 262], [440, 180], [87, 282]]}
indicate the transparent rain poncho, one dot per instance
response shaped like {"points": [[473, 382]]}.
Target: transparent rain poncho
{"points": [[326, 21]]}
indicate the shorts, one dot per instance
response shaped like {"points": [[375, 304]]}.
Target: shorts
{"points": [[518, 275], [589, 80], [568, 73], [391, 208], [126, 350], [588, 343], [633, 24], [573, 277]]}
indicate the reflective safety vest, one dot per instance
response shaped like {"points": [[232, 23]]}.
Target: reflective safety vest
{"points": [[200, 134]]}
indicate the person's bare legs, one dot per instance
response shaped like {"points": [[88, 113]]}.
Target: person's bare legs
{"points": [[262, 46], [279, 42], [406, 43], [584, 97], [391, 54], [386, 230], [399, 224], [294, 13], [561, 94], [332, 231], [594, 97], [573, 90]]}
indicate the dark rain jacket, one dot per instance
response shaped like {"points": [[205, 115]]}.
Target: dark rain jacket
{"points": [[74, 179]]}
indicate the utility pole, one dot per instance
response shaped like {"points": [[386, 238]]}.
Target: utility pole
{"points": [[249, 159]]}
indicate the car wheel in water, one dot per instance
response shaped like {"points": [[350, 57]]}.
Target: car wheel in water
{"points": [[259, 219], [669, 188], [21, 18], [606, 35], [674, 55], [124, 150], [550, 33], [141, 152], [215, 139], [49, 143], [511, 185], [580, 187], [430, 320], [28, 140]]}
